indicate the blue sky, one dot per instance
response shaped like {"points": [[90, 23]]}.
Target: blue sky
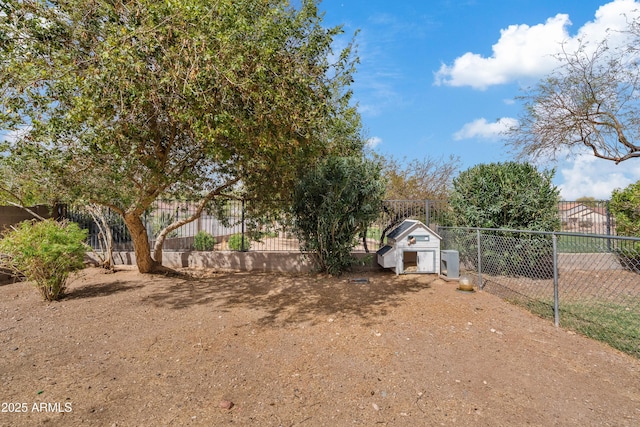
{"points": [[439, 77]]}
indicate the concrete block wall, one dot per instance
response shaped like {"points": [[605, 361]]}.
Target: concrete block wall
{"points": [[273, 262], [11, 215]]}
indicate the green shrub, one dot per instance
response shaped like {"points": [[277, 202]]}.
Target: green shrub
{"points": [[513, 196], [333, 204], [203, 241], [235, 243], [506, 195], [45, 253], [625, 208]]}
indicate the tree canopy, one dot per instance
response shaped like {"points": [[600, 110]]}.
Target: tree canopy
{"points": [[333, 203], [591, 101], [506, 195], [417, 179], [625, 207], [123, 102]]}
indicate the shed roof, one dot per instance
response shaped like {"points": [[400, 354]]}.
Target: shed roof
{"points": [[383, 250], [409, 225]]}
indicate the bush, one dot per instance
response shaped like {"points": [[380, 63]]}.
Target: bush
{"points": [[203, 241], [235, 242], [513, 196], [44, 252], [625, 208], [333, 204], [506, 195]]}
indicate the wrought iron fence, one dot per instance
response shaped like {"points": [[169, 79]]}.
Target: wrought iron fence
{"points": [[586, 217], [591, 286], [231, 223]]}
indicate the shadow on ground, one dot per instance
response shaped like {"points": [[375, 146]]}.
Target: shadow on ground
{"points": [[101, 289], [291, 298]]}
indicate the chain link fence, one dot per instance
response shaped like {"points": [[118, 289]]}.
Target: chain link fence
{"points": [[590, 285]]}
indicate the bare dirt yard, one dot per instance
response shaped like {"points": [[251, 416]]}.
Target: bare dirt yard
{"points": [[245, 349]]}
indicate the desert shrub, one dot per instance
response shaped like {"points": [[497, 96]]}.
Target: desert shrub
{"points": [[235, 242], [44, 252], [513, 196], [203, 241], [625, 208], [506, 195], [333, 204]]}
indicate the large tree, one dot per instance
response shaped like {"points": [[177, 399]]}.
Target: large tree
{"points": [[591, 100], [124, 101], [417, 179]]}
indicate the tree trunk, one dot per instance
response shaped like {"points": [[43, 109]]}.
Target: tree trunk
{"points": [[145, 263]]}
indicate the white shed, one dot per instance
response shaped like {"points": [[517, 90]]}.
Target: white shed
{"points": [[412, 247]]}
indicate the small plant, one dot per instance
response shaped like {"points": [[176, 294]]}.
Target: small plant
{"points": [[235, 243], [44, 252], [203, 241]]}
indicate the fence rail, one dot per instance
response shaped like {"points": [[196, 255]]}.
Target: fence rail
{"points": [[592, 288], [231, 223]]}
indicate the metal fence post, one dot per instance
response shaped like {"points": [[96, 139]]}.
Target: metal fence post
{"points": [[480, 285], [556, 299], [608, 212], [242, 248], [426, 212]]}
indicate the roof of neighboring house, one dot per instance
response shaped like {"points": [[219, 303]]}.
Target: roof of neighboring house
{"points": [[569, 209]]}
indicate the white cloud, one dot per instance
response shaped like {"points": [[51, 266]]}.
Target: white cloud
{"points": [[524, 51], [374, 142], [589, 176], [480, 128]]}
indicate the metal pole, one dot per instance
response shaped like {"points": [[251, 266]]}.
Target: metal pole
{"points": [[556, 299], [480, 285], [242, 240], [426, 215], [608, 212]]}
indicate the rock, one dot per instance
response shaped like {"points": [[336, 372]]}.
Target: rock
{"points": [[225, 404]]}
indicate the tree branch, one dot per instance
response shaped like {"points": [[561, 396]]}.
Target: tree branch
{"points": [[157, 248]]}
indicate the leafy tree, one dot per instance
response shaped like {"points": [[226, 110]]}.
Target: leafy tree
{"points": [[506, 195], [592, 100], [122, 102], [588, 201], [513, 196], [416, 180], [625, 208], [333, 204], [44, 252]]}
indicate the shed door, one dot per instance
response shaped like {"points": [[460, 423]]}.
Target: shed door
{"points": [[423, 261], [427, 261]]}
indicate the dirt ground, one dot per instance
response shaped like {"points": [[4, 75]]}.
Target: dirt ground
{"points": [[126, 349]]}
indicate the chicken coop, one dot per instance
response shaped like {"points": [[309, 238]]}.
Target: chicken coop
{"points": [[411, 247]]}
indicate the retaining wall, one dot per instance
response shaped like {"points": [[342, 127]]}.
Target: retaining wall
{"points": [[279, 262]]}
